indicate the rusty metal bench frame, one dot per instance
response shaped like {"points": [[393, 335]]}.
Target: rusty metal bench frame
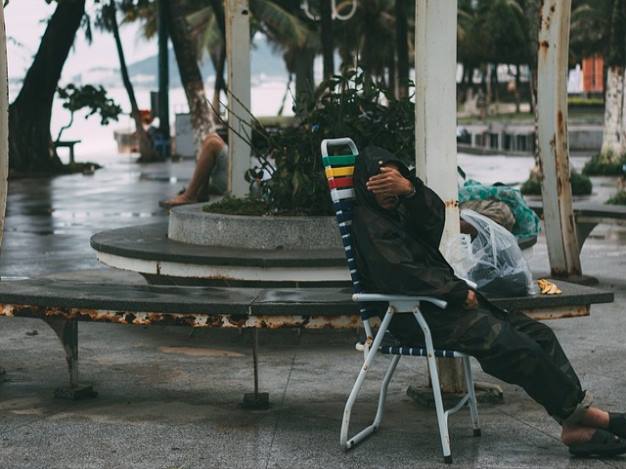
{"points": [[63, 303]]}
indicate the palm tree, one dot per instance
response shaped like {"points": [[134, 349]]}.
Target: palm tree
{"points": [[184, 50], [108, 21], [279, 21], [599, 27], [30, 142], [492, 32], [370, 35]]}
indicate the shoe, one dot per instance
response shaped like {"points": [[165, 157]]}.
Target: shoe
{"points": [[602, 443], [617, 424]]}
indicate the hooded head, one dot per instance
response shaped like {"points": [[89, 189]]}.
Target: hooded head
{"points": [[368, 164]]}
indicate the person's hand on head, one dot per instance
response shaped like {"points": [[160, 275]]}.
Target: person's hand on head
{"points": [[389, 182]]}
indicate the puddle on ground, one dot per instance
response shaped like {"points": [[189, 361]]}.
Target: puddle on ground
{"points": [[200, 352]]}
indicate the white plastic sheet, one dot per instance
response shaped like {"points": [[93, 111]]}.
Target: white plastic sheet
{"points": [[499, 267]]}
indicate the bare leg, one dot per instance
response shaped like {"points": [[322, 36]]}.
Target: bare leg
{"points": [[207, 157]]}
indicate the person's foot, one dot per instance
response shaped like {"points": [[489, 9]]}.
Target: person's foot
{"points": [[180, 199], [572, 435], [596, 418], [612, 421]]}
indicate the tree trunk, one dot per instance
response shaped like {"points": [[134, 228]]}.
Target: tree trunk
{"points": [[190, 76], [30, 142], [305, 81], [518, 104], [220, 61], [496, 94], [220, 81], [532, 88], [612, 134], [146, 148], [392, 78], [328, 48], [402, 48]]}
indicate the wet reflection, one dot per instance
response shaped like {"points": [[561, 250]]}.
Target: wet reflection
{"points": [[49, 221]]}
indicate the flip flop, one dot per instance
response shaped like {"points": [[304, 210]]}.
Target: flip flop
{"points": [[617, 424], [602, 443]]}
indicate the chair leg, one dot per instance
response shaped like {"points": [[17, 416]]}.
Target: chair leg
{"points": [[345, 424], [472, 404], [383, 391], [442, 415], [442, 419]]}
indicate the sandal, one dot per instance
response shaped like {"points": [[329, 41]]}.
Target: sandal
{"points": [[617, 424], [602, 443]]}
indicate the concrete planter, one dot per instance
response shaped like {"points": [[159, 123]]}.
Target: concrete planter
{"points": [[189, 224]]}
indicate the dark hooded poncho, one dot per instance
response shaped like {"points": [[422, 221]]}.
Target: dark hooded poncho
{"points": [[397, 251]]}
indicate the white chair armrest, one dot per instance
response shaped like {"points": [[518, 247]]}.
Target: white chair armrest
{"points": [[374, 297]]}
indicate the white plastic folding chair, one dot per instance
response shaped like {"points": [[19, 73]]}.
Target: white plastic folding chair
{"points": [[339, 172]]}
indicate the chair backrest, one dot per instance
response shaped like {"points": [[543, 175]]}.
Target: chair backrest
{"points": [[339, 171]]}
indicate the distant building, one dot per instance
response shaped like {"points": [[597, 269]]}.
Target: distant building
{"points": [[593, 74]]}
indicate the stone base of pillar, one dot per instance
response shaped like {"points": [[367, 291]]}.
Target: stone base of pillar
{"points": [[587, 280], [486, 393]]}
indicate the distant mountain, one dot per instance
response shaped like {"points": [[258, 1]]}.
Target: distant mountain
{"points": [[144, 73]]}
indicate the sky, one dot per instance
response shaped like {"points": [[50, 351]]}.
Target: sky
{"points": [[25, 24]]}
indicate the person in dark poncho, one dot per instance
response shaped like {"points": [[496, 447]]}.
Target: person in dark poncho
{"points": [[397, 227]]}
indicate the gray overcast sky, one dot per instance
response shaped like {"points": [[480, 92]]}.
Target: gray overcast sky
{"points": [[24, 24]]}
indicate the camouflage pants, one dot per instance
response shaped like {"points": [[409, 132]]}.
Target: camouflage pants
{"points": [[511, 347]]}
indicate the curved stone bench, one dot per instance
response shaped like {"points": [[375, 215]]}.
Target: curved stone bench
{"points": [[588, 215], [147, 249], [208, 249]]}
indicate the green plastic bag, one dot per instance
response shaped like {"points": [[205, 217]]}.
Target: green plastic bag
{"points": [[527, 223]]}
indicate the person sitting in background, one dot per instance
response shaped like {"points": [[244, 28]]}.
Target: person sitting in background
{"points": [[210, 175]]}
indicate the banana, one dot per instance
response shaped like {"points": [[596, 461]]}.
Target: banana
{"points": [[548, 288]]}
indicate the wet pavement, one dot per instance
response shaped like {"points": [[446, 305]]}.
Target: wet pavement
{"points": [[49, 221], [169, 397]]}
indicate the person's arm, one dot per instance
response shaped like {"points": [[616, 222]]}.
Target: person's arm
{"points": [[393, 268], [427, 213]]}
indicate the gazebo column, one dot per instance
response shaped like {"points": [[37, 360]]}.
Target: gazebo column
{"points": [[238, 55], [4, 128], [4, 122], [556, 189], [435, 125]]}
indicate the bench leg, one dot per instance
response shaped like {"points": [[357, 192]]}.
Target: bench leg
{"points": [[256, 400], [583, 230], [67, 331]]}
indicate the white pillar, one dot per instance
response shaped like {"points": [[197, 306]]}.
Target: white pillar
{"points": [[238, 54], [435, 122], [552, 136], [4, 122]]}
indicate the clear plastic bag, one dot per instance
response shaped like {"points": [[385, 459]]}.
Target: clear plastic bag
{"points": [[458, 253], [501, 269]]}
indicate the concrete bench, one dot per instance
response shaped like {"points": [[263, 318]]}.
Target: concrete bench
{"points": [[69, 144], [63, 303], [587, 215]]}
